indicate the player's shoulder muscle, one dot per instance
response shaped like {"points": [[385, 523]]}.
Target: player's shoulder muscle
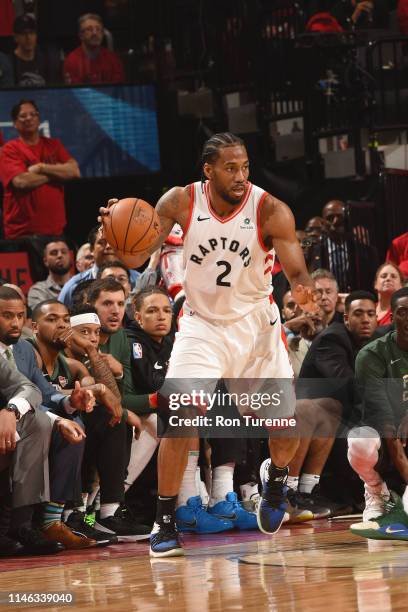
{"points": [[174, 206], [276, 218]]}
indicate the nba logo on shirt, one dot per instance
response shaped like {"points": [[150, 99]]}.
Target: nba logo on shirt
{"points": [[137, 350], [62, 381]]}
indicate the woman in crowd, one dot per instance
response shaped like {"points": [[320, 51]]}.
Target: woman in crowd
{"points": [[388, 279]]}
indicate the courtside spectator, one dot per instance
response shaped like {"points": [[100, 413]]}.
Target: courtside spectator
{"points": [[31, 66], [102, 253], [91, 62], [316, 227], [58, 263], [84, 258], [326, 282], [33, 169], [388, 279]]}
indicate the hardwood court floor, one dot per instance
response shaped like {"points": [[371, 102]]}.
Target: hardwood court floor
{"points": [[311, 567]]}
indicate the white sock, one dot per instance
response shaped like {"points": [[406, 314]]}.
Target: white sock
{"points": [[66, 514], [307, 482], [248, 490], [201, 488], [108, 510], [141, 452], [405, 500], [293, 482], [92, 495], [188, 484], [222, 483]]}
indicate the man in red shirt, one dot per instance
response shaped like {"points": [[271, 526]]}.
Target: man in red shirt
{"points": [[33, 169], [398, 253], [90, 62]]}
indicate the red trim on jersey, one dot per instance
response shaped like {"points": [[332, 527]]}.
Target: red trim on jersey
{"points": [[271, 300], [258, 222], [190, 215], [269, 269], [284, 339], [235, 212]]}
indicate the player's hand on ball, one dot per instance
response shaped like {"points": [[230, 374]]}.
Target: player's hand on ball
{"points": [[308, 298], [104, 211]]}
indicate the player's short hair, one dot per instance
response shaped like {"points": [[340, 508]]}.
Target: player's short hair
{"points": [[37, 310], [15, 111], [8, 293], [113, 264], [358, 295], [93, 235], [323, 273], [51, 242], [87, 16], [211, 148], [403, 292], [106, 284], [141, 295], [81, 309], [80, 293]]}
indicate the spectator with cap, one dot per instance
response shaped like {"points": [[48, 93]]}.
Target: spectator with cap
{"points": [[32, 67], [57, 260], [91, 62]]}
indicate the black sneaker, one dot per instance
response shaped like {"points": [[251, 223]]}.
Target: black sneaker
{"points": [[125, 529], [9, 547], [336, 508], [305, 501], [34, 542], [80, 526], [165, 541]]}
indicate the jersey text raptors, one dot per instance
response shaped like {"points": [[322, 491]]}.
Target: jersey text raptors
{"points": [[227, 267]]}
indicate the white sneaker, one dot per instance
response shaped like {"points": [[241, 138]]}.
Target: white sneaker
{"points": [[375, 500]]}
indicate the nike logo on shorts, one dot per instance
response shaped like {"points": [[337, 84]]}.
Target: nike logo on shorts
{"points": [[157, 366], [202, 218], [395, 360]]}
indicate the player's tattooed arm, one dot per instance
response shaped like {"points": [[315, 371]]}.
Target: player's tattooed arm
{"points": [[171, 208], [278, 232]]}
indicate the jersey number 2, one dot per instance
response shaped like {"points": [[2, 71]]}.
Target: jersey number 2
{"points": [[220, 278]]}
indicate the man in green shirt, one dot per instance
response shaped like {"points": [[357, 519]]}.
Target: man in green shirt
{"points": [[109, 447], [377, 449]]}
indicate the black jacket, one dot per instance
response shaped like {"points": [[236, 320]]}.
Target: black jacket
{"points": [[329, 362], [149, 359]]}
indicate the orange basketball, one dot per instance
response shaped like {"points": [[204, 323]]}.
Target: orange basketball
{"points": [[131, 227]]}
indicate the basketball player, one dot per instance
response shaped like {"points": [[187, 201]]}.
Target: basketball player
{"points": [[232, 328]]}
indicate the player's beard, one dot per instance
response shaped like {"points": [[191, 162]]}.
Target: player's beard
{"points": [[60, 270], [229, 198]]}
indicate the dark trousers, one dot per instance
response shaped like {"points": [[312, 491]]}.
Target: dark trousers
{"points": [[106, 452], [65, 461]]}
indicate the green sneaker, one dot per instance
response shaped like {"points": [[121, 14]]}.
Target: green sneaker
{"points": [[90, 518], [392, 525]]}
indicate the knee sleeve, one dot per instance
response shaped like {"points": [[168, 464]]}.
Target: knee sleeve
{"points": [[363, 446]]}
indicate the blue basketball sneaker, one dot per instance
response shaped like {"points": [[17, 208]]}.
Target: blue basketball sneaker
{"points": [[232, 510], [274, 503], [392, 525], [165, 541], [193, 518]]}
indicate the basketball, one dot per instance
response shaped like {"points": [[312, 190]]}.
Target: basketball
{"points": [[131, 227]]}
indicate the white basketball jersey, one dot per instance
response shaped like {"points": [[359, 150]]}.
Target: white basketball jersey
{"points": [[227, 268]]}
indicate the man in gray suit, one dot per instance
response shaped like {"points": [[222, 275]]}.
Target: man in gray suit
{"points": [[67, 437], [24, 441], [67, 440]]}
